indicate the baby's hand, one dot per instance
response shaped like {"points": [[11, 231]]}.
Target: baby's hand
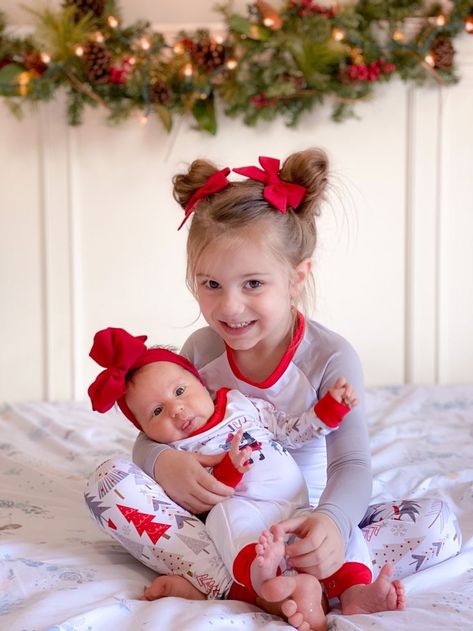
{"points": [[239, 457], [343, 392]]}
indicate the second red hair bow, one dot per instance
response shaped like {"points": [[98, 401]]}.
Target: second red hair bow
{"points": [[213, 184], [277, 192]]}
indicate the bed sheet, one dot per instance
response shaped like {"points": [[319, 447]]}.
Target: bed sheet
{"points": [[59, 572]]}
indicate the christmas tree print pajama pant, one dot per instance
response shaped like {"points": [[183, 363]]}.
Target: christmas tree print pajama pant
{"points": [[130, 507]]}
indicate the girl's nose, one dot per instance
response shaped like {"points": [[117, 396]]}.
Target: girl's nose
{"points": [[231, 305]]}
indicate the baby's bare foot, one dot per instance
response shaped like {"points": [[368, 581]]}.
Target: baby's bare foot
{"points": [[163, 586], [381, 595], [302, 600], [269, 554]]}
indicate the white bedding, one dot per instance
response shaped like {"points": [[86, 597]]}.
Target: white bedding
{"points": [[58, 571]]}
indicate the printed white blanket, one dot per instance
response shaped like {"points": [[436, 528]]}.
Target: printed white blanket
{"points": [[58, 572]]}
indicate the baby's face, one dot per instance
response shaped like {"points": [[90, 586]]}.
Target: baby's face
{"points": [[168, 401]]}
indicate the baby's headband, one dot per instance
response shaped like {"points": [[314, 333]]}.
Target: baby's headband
{"points": [[119, 353], [277, 192]]}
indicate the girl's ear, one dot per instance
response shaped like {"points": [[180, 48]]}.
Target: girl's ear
{"points": [[300, 275]]}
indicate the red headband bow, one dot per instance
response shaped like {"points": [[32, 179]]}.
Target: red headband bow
{"points": [[119, 352], [277, 192], [213, 184]]}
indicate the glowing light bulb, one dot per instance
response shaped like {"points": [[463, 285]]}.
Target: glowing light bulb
{"points": [[179, 48], [440, 20], [145, 43], [99, 38], [398, 36], [231, 64], [429, 59], [112, 21], [188, 70], [338, 34], [45, 58], [269, 22], [79, 51]]}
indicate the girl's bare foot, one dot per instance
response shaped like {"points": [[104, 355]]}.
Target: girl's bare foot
{"points": [[174, 585], [381, 595], [302, 600]]}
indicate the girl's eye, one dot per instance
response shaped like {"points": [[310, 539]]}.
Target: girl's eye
{"points": [[157, 411], [180, 391], [254, 284], [212, 284]]}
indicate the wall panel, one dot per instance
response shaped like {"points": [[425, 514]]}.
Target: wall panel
{"points": [[88, 234]]}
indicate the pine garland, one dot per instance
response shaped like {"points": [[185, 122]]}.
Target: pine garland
{"points": [[267, 64]]}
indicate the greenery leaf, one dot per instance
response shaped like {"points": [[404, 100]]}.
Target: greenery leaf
{"points": [[203, 111]]}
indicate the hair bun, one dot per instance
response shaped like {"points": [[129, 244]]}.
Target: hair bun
{"points": [[186, 184], [310, 169]]}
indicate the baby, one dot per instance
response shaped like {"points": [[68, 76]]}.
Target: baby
{"points": [[163, 395]]}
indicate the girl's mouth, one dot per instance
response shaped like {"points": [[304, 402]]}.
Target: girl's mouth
{"points": [[187, 426], [237, 328]]}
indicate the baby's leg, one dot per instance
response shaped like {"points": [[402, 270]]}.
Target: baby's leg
{"points": [[381, 595], [301, 595]]}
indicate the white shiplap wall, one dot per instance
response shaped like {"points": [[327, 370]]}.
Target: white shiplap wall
{"points": [[88, 234]]}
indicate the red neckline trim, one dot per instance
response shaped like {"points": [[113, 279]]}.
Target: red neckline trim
{"points": [[219, 412], [283, 364]]}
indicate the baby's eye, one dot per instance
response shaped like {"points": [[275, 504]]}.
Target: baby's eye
{"points": [[254, 284], [212, 284], [180, 391], [157, 411]]}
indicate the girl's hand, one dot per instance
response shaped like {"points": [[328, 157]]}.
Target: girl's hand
{"points": [[320, 551], [239, 457], [183, 477]]}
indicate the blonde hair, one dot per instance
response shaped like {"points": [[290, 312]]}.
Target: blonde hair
{"points": [[238, 208]]}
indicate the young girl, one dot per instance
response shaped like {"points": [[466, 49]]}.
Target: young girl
{"points": [[162, 394], [249, 249]]}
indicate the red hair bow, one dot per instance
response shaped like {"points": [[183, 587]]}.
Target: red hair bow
{"points": [[277, 192], [119, 352], [213, 184]]}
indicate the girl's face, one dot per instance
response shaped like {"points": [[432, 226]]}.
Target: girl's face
{"points": [[168, 401], [245, 293]]}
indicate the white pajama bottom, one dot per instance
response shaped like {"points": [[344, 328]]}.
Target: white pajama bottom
{"points": [[130, 507]]}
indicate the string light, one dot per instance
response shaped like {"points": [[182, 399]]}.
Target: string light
{"points": [[398, 36], [219, 39], [145, 43], [269, 22], [99, 38], [45, 58], [188, 70], [440, 20], [429, 59], [23, 80], [179, 48], [231, 64], [469, 24], [338, 34], [79, 51], [112, 21]]}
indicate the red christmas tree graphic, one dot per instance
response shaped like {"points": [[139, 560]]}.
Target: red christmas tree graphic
{"points": [[143, 522]]}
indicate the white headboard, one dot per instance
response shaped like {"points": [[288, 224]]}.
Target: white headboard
{"points": [[88, 234]]}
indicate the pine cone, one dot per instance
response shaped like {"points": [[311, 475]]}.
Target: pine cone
{"points": [[442, 52], [158, 90], [97, 62], [82, 7], [207, 53]]}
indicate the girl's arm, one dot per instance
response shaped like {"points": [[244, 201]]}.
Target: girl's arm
{"points": [[182, 475]]}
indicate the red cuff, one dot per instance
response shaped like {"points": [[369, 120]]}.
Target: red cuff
{"points": [[226, 472], [349, 574], [238, 592], [242, 565], [330, 411]]}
